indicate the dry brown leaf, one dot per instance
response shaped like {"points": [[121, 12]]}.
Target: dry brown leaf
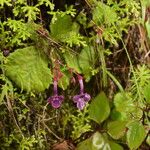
{"points": [[65, 145]]}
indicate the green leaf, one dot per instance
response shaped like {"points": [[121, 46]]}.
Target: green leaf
{"points": [[102, 142], [85, 145], [72, 61], [86, 60], [148, 140], [117, 129], [96, 142], [147, 93], [115, 146], [64, 81], [82, 63], [28, 68], [135, 135], [62, 27], [125, 106], [99, 109], [123, 102], [147, 25], [115, 115]]}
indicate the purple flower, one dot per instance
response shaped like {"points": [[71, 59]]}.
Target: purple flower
{"points": [[5, 52], [82, 98], [81, 104], [55, 100]]}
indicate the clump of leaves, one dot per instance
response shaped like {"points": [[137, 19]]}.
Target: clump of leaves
{"points": [[64, 30], [80, 42], [111, 14]]}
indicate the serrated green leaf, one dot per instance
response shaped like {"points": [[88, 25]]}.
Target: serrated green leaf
{"points": [[135, 135], [28, 68], [116, 129], [99, 109]]}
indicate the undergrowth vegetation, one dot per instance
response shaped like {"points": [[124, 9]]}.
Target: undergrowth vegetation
{"points": [[74, 74]]}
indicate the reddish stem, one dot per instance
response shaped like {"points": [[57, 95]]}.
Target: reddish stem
{"points": [[55, 87], [80, 79]]}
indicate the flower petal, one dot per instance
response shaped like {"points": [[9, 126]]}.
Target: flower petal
{"points": [[81, 104], [87, 97], [76, 98], [55, 101]]}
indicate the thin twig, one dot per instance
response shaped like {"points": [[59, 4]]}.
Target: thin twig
{"points": [[43, 122], [10, 109]]}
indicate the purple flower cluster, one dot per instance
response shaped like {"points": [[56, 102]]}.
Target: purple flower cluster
{"points": [[81, 99]]}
